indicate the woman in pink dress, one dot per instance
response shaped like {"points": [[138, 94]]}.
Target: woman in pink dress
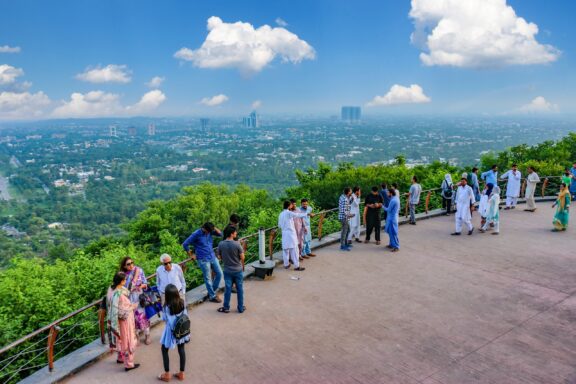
{"points": [[136, 283], [121, 320]]}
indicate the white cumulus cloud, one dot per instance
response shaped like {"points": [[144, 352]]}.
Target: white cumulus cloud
{"points": [[476, 33], [398, 94], [280, 22], [9, 74], [22, 105], [155, 82], [9, 49], [103, 104], [214, 100], [240, 45], [539, 105], [109, 74], [256, 104]]}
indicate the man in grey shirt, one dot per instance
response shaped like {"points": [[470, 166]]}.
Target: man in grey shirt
{"points": [[232, 255], [415, 191]]}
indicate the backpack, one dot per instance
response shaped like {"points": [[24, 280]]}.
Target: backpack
{"points": [[181, 326], [447, 190]]}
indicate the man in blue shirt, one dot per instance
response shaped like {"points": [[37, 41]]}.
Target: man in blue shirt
{"points": [[491, 176], [386, 199], [572, 185], [204, 255]]}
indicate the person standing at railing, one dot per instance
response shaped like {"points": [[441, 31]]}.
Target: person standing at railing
{"points": [[385, 198], [121, 321], [305, 208], [289, 236], [391, 226], [514, 177], [473, 182], [372, 207], [232, 255], [562, 204], [203, 244], [447, 193], [355, 220], [169, 273], [491, 176], [414, 196], [493, 212], [531, 181], [464, 205], [136, 283], [344, 215], [572, 184]]}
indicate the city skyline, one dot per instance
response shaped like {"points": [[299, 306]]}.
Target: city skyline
{"points": [[138, 58]]}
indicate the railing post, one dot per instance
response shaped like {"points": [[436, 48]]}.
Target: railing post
{"points": [[262, 245], [427, 201], [544, 185], [51, 341], [271, 243], [320, 222], [101, 322]]}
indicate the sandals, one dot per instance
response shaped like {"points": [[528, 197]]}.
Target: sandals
{"points": [[179, 376], [164, 377], [223, 310]]}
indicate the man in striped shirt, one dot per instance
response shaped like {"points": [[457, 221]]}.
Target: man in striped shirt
{"points": [[344, 216]]}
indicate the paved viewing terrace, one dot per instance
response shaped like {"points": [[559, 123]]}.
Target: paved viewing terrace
{"points": [[445, 309]]}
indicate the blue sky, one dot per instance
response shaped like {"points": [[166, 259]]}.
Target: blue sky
{"points": [[319, 56]]}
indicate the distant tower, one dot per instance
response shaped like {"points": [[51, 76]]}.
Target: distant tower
{"points": [[132, 131], [351, 114], [151, 129], [113, 132], [204, 123], [252, 121]]}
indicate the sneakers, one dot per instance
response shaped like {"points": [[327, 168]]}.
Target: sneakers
{"points": [[215, 299], [470, 231], [345, 249], [456, 233], [300, 269]]}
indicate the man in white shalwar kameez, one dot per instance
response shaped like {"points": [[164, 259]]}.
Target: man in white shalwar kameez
{"points": [[464, 203], [531, 181], [513, 187], [289, 236], [355, 220]]}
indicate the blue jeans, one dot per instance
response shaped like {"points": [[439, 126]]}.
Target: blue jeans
{"points": [[234, 278], [206, 267], [306, 248]]}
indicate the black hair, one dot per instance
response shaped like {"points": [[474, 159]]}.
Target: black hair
{"points": [[347, 190], [304, 200], [494, 166], [415, 178], [374, 189], [384, 186], [123, 263], [395, 185], [118, 277], [229, 230], [392, 190], [234, 218], [173, 300], [355, 189], [208, 226], [287, 204], [514, 165], [474, 169], [293, 201]]}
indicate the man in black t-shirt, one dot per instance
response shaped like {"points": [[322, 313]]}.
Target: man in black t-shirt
{"points": [[372, 207]]}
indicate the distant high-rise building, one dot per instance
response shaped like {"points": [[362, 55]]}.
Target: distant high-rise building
{"points": [[351, 114], [252, 121], [151, 129], [113, 131], [204, 123], [132, 131]]}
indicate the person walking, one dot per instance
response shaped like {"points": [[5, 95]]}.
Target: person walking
{"points": [[562, 214], [173, 310], [483, 204], [447, 193], [491, 176], [305, 208], [121, 321], [203, 244], [136, 283], [232, 255], [372, 207], [493, 212], [464, 205], [169, 273], [514, 177], [289, 236], [531, 181], [391, 226], [355, 220], [414, 199], [344, 215]]}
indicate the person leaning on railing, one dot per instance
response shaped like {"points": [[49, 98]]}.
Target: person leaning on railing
{"points": [[169, 273], [136, 283]]}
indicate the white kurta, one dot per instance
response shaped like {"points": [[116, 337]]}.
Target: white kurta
{"points": [[514, 181], [531, 180], [464, 198], [354, 220], [286, 224]]}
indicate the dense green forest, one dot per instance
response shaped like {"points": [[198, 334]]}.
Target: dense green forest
{"points": [[36, 290]]}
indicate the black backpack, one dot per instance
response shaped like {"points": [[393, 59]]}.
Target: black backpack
{"points": [[181, 326], [448, 191]]}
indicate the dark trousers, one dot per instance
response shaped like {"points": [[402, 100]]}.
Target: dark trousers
{"points": [[181, 353], [447, 204], [373, 223]]}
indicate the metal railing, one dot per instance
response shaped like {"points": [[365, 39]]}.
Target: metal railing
{"points": [[45, 345]]}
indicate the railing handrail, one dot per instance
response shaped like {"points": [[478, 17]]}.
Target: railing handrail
{"points": [[98, 302]]}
